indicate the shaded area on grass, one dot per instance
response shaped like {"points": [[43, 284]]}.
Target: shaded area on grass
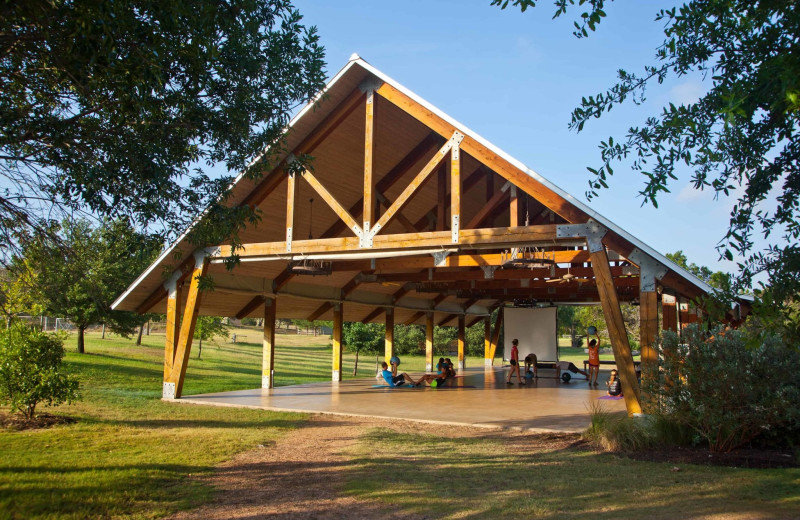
{"points": [[549, 477]]}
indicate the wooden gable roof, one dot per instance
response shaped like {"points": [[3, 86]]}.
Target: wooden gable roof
{"points": [[364, 125]]}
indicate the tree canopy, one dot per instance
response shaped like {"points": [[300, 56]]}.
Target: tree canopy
{"points": [[79, 274], [114, 107], [739, 139]]}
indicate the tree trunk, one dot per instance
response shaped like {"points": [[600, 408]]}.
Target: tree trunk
{"points": [[199, 347], [148, 327], [355, 365], [572, 335], [139, 339], [80, 338], [104, 332]]}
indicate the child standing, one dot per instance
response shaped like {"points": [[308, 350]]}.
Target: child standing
{"points": [[594, 362], [514, 362]]}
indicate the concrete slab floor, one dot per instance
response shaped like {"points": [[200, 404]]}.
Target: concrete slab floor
{"points": [[480, 398]]}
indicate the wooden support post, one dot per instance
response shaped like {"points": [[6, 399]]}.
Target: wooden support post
{"points": [[648, 322], [487, 341], [513, 208], [455, 191], [498, 326], [428, 342], [669, 318], [173, 324], [462, 339], [290, 195], [173, 387], [389, 346], [268, 344], [369, 199], [616, 327], [338, 323], [441, 207]]}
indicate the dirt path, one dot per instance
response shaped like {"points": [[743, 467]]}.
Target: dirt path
{"points": [[300, 477]]}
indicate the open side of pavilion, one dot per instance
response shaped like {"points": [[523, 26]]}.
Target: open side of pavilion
{"points": [[407, 216]]}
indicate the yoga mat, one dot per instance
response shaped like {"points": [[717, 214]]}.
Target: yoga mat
{"points": [[611, 397], [423, 387]]}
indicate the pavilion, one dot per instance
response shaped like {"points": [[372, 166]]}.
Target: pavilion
{"points": [[407, 216]]}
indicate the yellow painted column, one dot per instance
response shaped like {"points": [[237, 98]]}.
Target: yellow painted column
{"points": [[428, 342], [338, 323], [268, 344], [389, 344], [487, 341], [462, 319], [173, 324], [173, 388]]}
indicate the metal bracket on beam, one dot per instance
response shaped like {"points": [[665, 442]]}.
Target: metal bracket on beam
{"points": [[171, 284], [439, 257], [168, 391], [364, 239], [650, 270], [592, 231], [457, 138], [288, 240], [454, 228], [200, 255], [371, 83], [488, 271]]}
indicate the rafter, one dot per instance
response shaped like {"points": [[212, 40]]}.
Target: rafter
{"points": [[332, 202], [469, 145], [488, 209], [430, 143], [306, 146], [251, 306], [348, 288], [421, 177]]}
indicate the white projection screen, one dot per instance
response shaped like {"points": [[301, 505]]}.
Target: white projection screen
{"points": [[535, 329]]}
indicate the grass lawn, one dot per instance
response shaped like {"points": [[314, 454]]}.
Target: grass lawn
{"points": [[476, 478], [131, 455]]}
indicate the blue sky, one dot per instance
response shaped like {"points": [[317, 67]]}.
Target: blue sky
{"points": [[515, 77]]}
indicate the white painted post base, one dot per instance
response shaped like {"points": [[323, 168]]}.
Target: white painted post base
{"points": [[488, 362], [461, 365], [428, 368], [168, 391], [266, 381], [336, 376]]}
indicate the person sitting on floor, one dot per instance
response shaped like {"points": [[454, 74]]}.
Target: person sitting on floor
{"points": [[441, 366], [440, 379], [395, 380], [614, 386], [451, 372], [566, 365]]}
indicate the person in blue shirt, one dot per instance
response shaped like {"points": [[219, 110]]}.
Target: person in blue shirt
{"points": [[395, 380]]}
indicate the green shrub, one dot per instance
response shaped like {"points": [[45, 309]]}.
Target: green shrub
{"points": [[30, 370], [727, 388], [618, 432]]}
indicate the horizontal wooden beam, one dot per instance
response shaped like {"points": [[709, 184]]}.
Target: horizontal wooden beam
{"points": [[443, 275], [521, 235], [451, 261]]}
